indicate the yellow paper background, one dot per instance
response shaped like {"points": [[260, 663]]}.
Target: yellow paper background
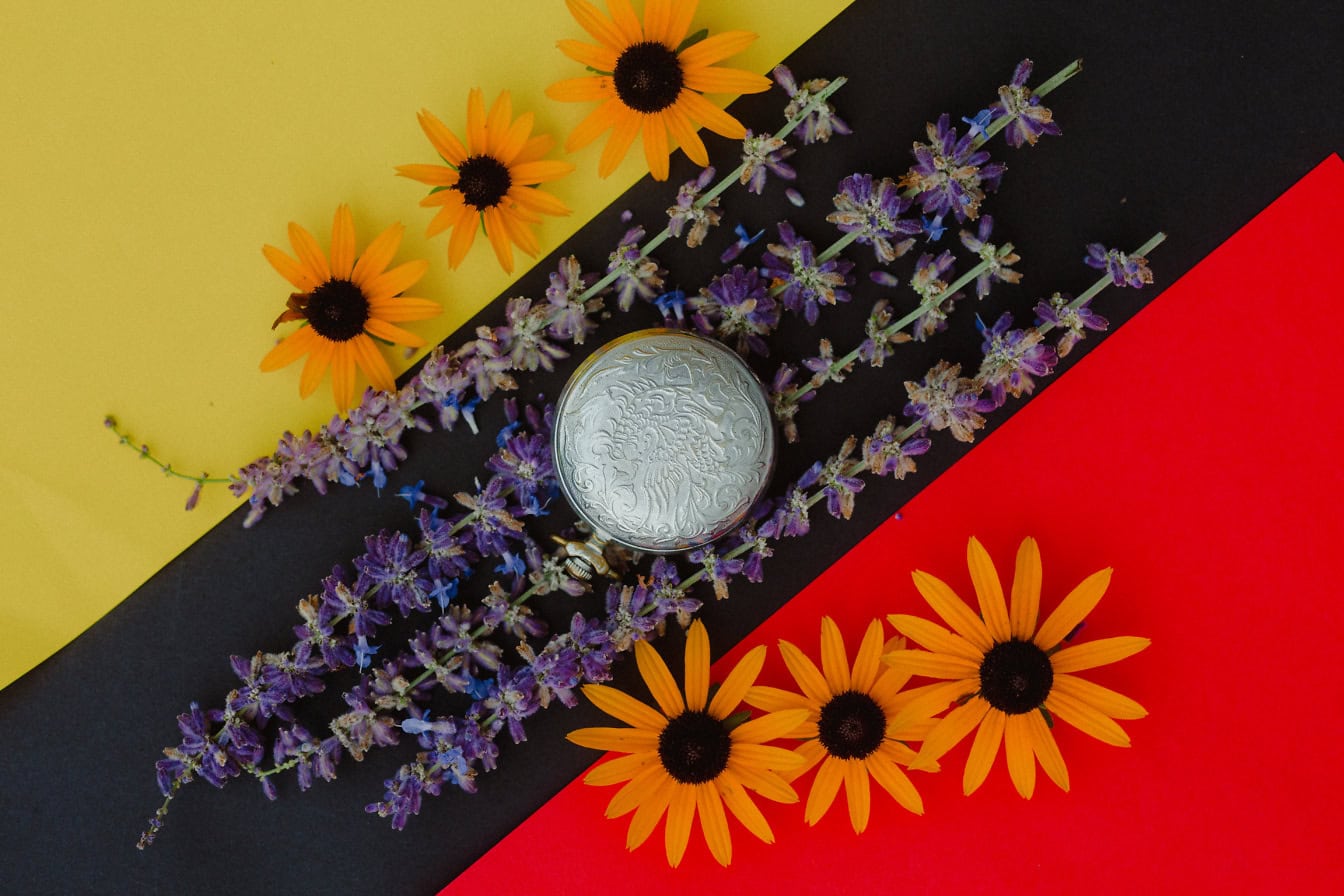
{"points": [[149, 149]]}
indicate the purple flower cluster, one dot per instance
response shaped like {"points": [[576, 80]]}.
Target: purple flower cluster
{"points": [[871, 209], [689, 214], [1011, 359], [820, 121], [1056, 312], [801, 282], [951, 175], [1124, 270], [1030, 120], [637, 275], [945, 399], [763, 154], [930, 284], [880, 340], [737, 306], [571, 315], [998, 260], [885, 453]]}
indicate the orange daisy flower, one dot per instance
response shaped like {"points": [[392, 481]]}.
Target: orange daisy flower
{"points": [[849, 726], [345, 301], [491, 179], [649, 81], [1011, 678], [686, 759]]}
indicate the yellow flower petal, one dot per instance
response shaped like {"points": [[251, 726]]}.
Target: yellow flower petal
{"points": [[953, 610], [342, 243], [1096, 653], [291, 270], [369, 360], [775, 699], [657, 17], [343, 375], [725, 80], [643, 785], [626, 708], [679, 21], [1073, 609], [680, 814], [460, 243], [601, 58], [596, 24], [713, 822], [649, 811], [536, 201], [736, 798], [735, 686], [1086, 719], [655, 146], [988, 589], [399, 279], [931, 665], [1021, 759], [857, 794], [934, 637], [811, 752], [824, 788], [310, 254], [477, 138], [1047, 751], [444, 141], [290, 349], [920, 703], [697, 666], [868, 662], [619, 740], [497, 125], [597, 122], [714, 48], [377, 256], [834, 662], [697, 108], [805, 672], [623, 16], [767, 783], [894, 781], [499, 238], [983, 750], [952, 729], [620, 769], [392, 333], [404, 308], [1026, 591], [319, 359], [659, 680], [769, 727], [433, 175], [681, 129], [1104, 700], [582, 90], [618, 144]]}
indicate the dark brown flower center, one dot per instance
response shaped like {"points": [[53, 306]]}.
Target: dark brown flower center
{"points": [[648, 77], [852, 725], [694, 747], [337, 310], [483, 182], [1016, 676]]}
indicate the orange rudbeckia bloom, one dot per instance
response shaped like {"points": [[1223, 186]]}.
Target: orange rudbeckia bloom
{"points": [[648, 81], [345, 300], [490, 180]]}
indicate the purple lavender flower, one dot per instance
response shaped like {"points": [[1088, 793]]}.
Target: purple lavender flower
{"points": [[804, 285], [669, 597], [317, 632], [753, 561], [593, 643], [491, 525], [571, 318], [556, 670], [485, 362], [314, 757], [397, 569], [637, 275], [737, 304], [363, 728], [873, 210], [790, 518], [820, 121], [462, 631], [391, 689], [515, 619], [762, 154], [293, 675], [443, 383], [950, 174], [1124, 270], [719, 570], [523, 337], [1030, 118], [930, 284], [427, 653], [448, 554], [1011, 359], [685, 213], [744, 241], [267, 479], [416, 494], [945, 399], [1056, 312], [628, 615], [838, 485], [877, 347], [199, 754], [784, 400], [825, 369], [513, 697], [886, 455], [402, 798], [524, 464], [997, 258], [371, 435]]}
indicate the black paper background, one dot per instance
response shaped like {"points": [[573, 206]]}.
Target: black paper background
{"points": [[1188, 117]]}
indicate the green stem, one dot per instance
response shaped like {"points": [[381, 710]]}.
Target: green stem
{"points": [[167, 468]]}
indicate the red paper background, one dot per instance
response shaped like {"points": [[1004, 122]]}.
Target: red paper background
{"points": [[1198, 452]]}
